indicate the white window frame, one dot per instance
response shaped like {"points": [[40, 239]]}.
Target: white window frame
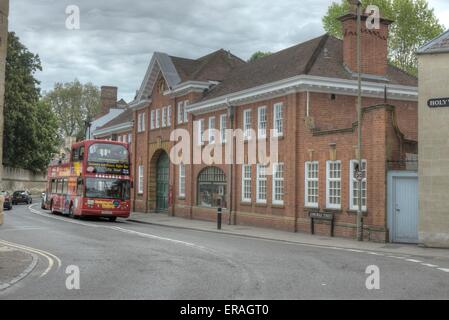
{"points": [[141, 122], [164, 117], [259, 179], [245, 181], [186, 117], [130, 138], [169, 116], [158, 118], [328, 182], [201, 130], [211, 130], [247, 124], [278, 122], [353, 180], [182, 180], [281, 180], [262, 132], [181, 112], [152, 118], [223, 127], [308, 179], [140, 180]]}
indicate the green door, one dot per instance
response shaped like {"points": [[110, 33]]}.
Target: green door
{"points": [[162, 183]]}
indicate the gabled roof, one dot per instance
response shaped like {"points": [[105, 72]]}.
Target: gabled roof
{"points": [[322, 56], [124, 117], [175, 70], [212, 67], [121, 104], [159, 62], [438, 45]]}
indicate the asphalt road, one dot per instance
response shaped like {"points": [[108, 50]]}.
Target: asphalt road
{"points": [[126, 260]]}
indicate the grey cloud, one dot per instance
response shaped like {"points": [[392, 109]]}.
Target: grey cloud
{"points": [[117, 38]]}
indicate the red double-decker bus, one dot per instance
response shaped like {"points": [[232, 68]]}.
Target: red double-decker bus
{"points": [[94, 181]]}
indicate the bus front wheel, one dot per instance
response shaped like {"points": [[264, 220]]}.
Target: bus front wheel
{"points": [[112, 219]]}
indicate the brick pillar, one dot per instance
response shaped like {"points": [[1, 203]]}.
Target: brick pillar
{"points": [[291, 179], [134, 165]]}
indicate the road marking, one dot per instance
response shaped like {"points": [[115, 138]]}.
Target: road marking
{"points": [[60, 218], [413, 260], [42, 253], [244, 274], [141, 234], [147, 235], [22, 229], [354, 250], [430, 265]]}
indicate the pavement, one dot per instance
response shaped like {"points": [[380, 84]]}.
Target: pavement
{"points": [[130, 260], [277, 235], [15, 265]]}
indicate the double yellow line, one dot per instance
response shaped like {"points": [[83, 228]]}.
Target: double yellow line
{"points": [[51, 258]]}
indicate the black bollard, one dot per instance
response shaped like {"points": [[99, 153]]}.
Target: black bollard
{"points": [[219, 215]]}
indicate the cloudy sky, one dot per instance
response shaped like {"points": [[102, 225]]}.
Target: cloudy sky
{"points": [[117, 38]]}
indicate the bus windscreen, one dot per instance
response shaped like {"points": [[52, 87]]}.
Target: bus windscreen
{"points": [[97, 188], [108, 153]]}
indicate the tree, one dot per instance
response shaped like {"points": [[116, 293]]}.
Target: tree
{"points": [[257, 55], [74, 103], [47, 138], [414, 24], [30, 133]]}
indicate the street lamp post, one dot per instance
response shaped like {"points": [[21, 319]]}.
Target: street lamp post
{"points": [[359, 122], [358, 5]]}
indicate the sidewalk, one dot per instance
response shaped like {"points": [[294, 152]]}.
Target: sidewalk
{"points": [[276, 235], [14, 266]]}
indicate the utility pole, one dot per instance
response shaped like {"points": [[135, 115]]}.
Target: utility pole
{"points": [[230, 140], [359, 173]]}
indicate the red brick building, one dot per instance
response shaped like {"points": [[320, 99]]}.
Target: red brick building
{"points": [[307, 94]]}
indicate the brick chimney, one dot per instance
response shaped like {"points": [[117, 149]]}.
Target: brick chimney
{"points": [[374, 45], [108, 100]]}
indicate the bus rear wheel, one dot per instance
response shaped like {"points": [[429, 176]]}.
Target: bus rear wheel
{"points": [[112, 219]]}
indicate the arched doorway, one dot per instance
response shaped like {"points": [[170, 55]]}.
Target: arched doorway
{"points": [[162, 183]]}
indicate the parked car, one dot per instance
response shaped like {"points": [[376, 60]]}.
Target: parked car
{"points": [[21, 197], [8, 201]]}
